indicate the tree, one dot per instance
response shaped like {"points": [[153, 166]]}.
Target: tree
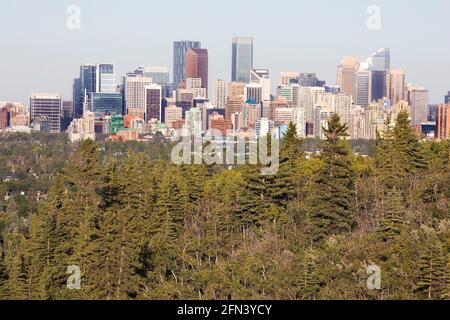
{"points": [[283, 187], [432, 266], [331, 196], [394, 220]]}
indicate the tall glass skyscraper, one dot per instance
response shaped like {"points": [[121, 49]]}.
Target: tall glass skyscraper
{"points": [[242, 59], [380, 65], [179, 59], [106, 79]]}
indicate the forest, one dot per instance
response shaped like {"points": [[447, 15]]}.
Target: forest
{"points": [[141, 228]]}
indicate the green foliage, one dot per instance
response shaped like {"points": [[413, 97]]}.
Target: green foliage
{"points": [[141, 228]]}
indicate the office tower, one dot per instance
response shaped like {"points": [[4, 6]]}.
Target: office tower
{"points": [[447, 98], [46, 107], [236, 89], [221, 93], [136, 95], [106, 104], [309, 97], [346, 76], [363, 87], [242, 59], [234, 105], [180, 49], [106, 79], [153, 98], [288, 77], [159, 75], [88, 76], [262, 77], [397, 86], [254, 93], [418, 100], [66, 115], [380, 65], [77, 98], [173, 114], [197, 66], [309, 80], [443, 122]]}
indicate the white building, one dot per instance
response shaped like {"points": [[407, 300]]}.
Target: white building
{"points": [[83, 128]]}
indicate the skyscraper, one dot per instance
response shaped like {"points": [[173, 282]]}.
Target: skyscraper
{"points": [[180, 49], [443, 122], [363, 87], [106, 79], [397, 86], [262, 77], [46, 107], [242, 59], [418, 100], [379, 64], [346, 76], [221, 93], [447, 98], [197, 66], [153, 99], [136, 95]]}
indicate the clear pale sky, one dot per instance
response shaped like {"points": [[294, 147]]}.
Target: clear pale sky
{"points": [[39, 54]]}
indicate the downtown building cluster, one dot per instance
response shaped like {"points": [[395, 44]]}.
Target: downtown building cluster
{"points": [[146, 102]]}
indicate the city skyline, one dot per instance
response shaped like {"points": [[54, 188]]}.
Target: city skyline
{"points": [[52, 68]]}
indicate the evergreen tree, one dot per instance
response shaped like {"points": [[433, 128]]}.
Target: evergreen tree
{"points": [[283, 187], [331, 196], [432, 266], [394, 220]]}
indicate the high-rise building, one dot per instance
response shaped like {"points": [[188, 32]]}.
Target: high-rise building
{"points": [[88, 78], [310, 80], [242, 59], [261, 77], [254, 93], [46, 107], [288, 77], [136, 95], [197, 66], [447, 98], [418, 100], [443, 122], [346, 76], [104, 103], [180, 49], [153, 98], [363, 87], [221, 93], [106, 79], [77, 99], [397, 86], [173, 114], [380, 65]]}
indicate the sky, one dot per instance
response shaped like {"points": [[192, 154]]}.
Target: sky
{"points": [[38, 53]]}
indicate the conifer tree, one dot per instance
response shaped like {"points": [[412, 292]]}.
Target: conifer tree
{"points": [[394, 217], [282, 188], [331, 196], [14, 286], [432, 266]]}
